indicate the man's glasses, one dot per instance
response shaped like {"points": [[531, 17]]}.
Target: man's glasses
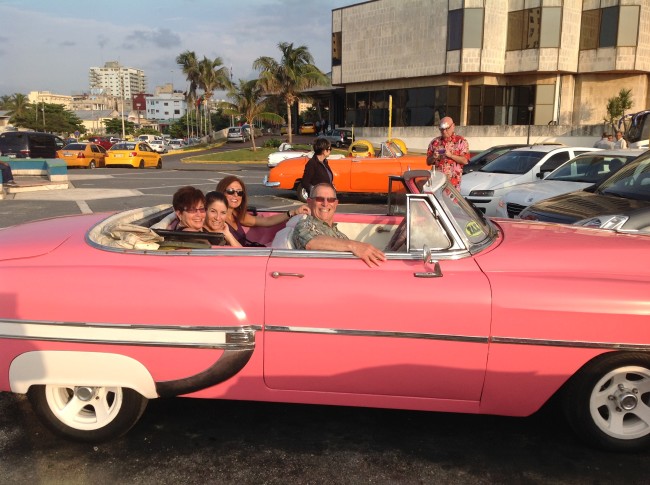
{"points": [[322, 200], [195, 210], [233, 192]]}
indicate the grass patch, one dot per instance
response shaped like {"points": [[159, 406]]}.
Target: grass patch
{"points": [[241, 155]]}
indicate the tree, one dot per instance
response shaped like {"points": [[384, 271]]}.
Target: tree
{"points": [[48, 117], [617, 106], [212, 75], [114, 125], [17, 105], [190, 66], [249, 102], [294, 73]]}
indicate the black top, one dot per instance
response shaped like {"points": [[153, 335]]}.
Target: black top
{"points": [[316, 173]]}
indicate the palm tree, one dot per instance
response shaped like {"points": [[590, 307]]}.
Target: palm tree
{"points": [[212, 75], [190, 66], [249, 102], [18, 105], [294, 73]]}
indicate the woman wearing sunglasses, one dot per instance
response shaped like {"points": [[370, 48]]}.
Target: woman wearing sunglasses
{"points": [[235, 191], [189, 206]]}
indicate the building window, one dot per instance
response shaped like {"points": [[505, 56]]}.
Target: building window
{"points": [[610, 27], [524, 29], [336, 48], [411, 107], [464, 29]]}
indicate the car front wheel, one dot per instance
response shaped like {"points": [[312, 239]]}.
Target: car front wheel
{"points": [[87, 413], [608, 402], [301, 193]]}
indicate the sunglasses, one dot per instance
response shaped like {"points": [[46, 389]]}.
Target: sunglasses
{"points": [[233, 192], [322, 200], [195, 210]]}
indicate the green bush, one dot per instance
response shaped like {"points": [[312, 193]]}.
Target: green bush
{"points": [[272, 143]]}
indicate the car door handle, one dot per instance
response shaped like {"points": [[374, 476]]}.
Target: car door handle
{"points": [[436, 273], [277, 274]]}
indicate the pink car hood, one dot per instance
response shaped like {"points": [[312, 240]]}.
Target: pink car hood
{"points": [[535, 247], [41, 237]]}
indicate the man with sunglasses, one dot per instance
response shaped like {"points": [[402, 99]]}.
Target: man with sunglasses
{"points": [[449, 152], [318, 231]]}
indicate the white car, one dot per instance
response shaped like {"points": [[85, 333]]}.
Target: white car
{"points": [[485, 187], [578, 173], [158, 146], [285, 151], [176, 144]]}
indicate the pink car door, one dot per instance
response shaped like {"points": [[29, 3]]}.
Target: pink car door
{"points": [[334, 325]]}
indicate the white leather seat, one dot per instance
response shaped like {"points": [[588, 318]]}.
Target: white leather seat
{"points": [[283, 238]]}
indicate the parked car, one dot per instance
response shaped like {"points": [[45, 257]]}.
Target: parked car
{"points": [[237, 133], [480, 159], [103, 141], [29, 144], [159, 146], [284, 129], [339, 137], [176, 144], [578, 173], [133, 154], [351, 174], [308, 128], [149, 138], [518, 334], [485, 187], [257, 131], [285, 151], [86, 155], [620, 202]]}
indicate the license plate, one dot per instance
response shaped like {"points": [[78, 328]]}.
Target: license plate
{"points": [[118, 155], [67, 154]]}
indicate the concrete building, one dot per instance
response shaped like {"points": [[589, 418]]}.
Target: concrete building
{"points": [[47, 97], [165, 106], [495, 66], [118, 81]]}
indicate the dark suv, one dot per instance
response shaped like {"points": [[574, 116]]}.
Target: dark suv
{"points": [[29, 144]]}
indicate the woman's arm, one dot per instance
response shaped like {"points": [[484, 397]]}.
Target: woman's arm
{"points": [[250, 220]]}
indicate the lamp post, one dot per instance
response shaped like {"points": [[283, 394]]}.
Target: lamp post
{"points": [[530, 117]]}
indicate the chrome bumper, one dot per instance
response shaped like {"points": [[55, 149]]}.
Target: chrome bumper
{"points": [[269, 184]]}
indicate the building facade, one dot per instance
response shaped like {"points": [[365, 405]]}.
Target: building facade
{"points": [[47, 97], [116, 80], [165, 106], [489, 62]]}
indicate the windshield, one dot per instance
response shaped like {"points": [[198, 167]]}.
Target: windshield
{"points": [[515, 162], [75, 146], [591, 168], [631, 182], [468, 221]]}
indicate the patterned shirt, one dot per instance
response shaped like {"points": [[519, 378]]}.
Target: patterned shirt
{"points": [[310, 227], [457, 145]]}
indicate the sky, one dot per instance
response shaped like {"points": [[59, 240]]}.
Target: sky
{"points": [[49, 45]]}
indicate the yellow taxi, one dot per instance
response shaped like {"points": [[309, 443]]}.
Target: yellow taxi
{"points": [[308, 128], [134, 154], [88, 155]]}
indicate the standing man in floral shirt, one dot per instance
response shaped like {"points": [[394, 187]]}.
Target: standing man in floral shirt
{"points": [[449, 152]]}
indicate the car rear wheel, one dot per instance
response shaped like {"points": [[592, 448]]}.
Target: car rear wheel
{"points": [[159, 164], [301, 193], [87, 413], [141, 164], [608, 402], [92, 165]]}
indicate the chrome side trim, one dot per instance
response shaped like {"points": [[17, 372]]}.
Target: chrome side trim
{"points": [[377, 333], [227, 337], [571, 343]]}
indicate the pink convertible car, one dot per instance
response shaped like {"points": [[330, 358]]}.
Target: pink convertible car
{"points": [[99, 314]]}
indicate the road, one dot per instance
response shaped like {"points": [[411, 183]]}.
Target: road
{"points": [[196, 441]]}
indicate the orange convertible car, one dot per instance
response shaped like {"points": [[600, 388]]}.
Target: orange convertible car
{"points": [[351, 174]]}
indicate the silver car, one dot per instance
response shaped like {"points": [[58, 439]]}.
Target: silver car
{"points": [[238, 133]]}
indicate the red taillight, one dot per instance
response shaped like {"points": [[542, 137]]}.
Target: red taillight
{"points": [[81, 155], [25, 153], [133, 154]]}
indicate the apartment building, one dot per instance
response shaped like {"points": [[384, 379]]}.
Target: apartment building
{"points": [[116, 80]]}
